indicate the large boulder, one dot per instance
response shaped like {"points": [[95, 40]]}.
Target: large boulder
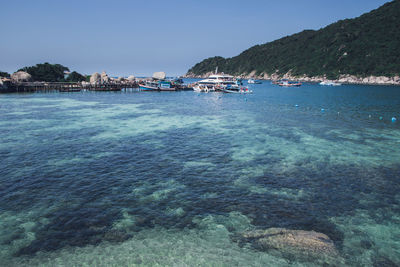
{"points": [[104, 77], [95, 78], [21, 76], [297, 244], [159, 75]]}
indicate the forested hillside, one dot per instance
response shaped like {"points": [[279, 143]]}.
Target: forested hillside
{"points": [[367, 45]]}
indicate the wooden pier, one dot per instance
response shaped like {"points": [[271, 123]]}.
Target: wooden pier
{"points": [[25, 87]]}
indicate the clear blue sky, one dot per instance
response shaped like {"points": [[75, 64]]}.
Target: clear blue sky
{"points": [[140, 37]]}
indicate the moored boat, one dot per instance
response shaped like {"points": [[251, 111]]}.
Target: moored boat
{"points": [[252, 81], [157, 83], [179, 84], [157, 86], [220, 82], [329, 83], [242, 90], [149, 86], [286, 83], [203, 88]]}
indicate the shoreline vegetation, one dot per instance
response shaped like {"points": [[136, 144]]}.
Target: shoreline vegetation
{"points": [[363, 50]]}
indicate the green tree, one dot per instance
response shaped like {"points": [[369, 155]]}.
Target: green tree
{"points": [[46, 72], [4, 74], [75, 77]]}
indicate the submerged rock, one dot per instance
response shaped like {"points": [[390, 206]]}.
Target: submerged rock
{"points": [[298, 244], [116, 236]]}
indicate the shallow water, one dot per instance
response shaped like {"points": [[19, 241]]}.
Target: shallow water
{"points": [[141, 178]]}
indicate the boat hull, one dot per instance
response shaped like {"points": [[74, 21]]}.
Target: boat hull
{"points": [[237, 91], [167, 89], [254, 82], [152, 88], [148, 88]]}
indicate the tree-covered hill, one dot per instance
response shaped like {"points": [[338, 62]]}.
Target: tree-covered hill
{"points": [[367, 45]]}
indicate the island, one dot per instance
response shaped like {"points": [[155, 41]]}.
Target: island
{"points": [[362, 50]]}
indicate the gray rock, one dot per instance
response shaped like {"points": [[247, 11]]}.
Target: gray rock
{"points": [[95, 78], [159, 75], [21, 76], [131, 78], [116, 236], [104, 77], [298, 244]]}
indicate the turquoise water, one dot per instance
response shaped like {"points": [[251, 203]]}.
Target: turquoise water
{"points": [[155, 179]]}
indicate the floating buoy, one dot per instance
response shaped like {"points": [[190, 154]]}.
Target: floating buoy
{"points": [[338, 112], [369, 116], [394, 119], [296, 106], [322, 110], [381, 118]]}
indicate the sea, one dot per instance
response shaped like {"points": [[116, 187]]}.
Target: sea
{"points": [[137, 178]]}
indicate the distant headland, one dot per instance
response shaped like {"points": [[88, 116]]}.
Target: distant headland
{"points": [[364, 50]]}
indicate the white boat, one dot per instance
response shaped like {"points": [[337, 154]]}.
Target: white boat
{"points": [[242, 90], [329, 83], [218, 79], [221, 81], [286, 83], [155, 85], [203, 88], [252, 81]]}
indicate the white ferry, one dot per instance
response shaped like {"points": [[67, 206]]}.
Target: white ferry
{"points": [[219, 79], [223, 83]]}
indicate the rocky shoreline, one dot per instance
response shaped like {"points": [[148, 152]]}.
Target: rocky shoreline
{"points": [[345, 78]]}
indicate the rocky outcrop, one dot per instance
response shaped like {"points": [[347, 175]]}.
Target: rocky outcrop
{"points": [[95, 78], [21, 76], [345, 78], [252, 74], [381, 80], [159, 75], [298, 244], [104, 77], [131, 78]]}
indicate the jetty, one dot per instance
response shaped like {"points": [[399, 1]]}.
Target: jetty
{"points": [[31, 87], [22, 82]]}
